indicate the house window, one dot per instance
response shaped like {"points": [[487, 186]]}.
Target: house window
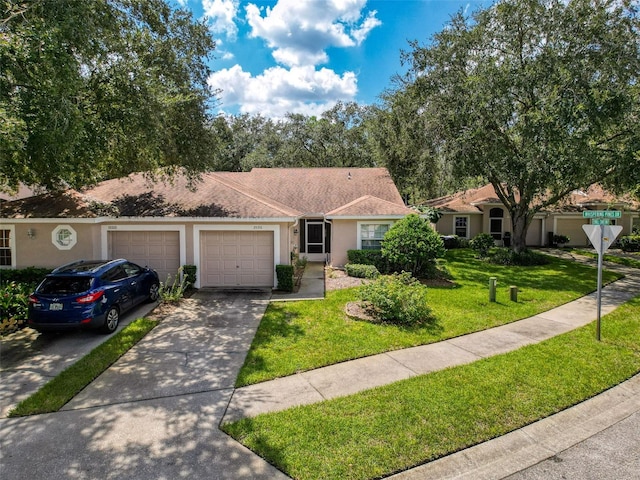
{"points": [[371, 235], [495, 223], [461, 227], [64, 237], [5, 248]]}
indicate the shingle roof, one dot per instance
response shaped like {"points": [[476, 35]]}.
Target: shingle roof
{"points": [[68, 204], [470, 201], [211, 197], [260, 193], [365, 205], [319, 190]]}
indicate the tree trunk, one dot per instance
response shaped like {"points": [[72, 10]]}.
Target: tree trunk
{"points": [[520, 222]]}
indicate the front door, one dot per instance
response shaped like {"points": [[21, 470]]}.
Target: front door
{"points": [[314, 240]]}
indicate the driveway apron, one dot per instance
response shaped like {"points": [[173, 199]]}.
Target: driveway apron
{"points": [[154, 413]]}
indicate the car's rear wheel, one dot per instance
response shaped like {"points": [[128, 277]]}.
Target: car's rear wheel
{"points": [[111, 320], [154, 292]]}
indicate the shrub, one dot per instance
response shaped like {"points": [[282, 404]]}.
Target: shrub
{"points": [[398, 299], [526, 258], [172, 292], [29, 276], [14, 301], [411, 245], [369, 257], [190, 274], [560, 239], [284, 273], [481, 243], [361, 271], [630, 243]]}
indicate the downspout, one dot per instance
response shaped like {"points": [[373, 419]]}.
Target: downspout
{"points": [[290, 231], [327, 260]]}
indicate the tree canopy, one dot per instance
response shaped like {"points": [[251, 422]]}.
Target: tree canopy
{"points": [[98, 89], [538, 97]]}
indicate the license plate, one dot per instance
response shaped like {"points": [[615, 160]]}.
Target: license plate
{"points": [[55, 306]]}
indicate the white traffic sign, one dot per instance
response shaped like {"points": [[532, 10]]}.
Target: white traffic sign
{"points": [[602, 236]]}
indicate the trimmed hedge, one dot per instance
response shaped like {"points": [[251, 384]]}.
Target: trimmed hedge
{"points": [[284, 273], [369, 257], [359, 270], [526, 258], [29, 275], [190, 274], [630, 243]]}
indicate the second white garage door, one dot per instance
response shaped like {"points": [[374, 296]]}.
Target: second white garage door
{"points": [[236, 259]]}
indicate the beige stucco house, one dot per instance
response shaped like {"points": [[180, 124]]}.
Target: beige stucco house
{"points": [[479, 210], [234, 226]]}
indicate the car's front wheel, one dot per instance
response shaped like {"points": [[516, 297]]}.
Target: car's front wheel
{"points": [[154, 292], [111, 320]]}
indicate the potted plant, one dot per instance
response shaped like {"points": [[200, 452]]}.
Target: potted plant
{"points": [[560, 240]]}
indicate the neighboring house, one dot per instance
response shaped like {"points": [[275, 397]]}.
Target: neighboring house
{"points": [[234, 226], [479, 210]]}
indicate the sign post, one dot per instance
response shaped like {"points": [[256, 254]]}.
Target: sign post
{"points": [[601, 237]]}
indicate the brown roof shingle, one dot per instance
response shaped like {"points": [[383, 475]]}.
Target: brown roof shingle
{"points": [[260, 193]]}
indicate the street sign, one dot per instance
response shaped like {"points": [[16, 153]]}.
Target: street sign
{"points": [[602, 214], [601, 237], [600, 221]]}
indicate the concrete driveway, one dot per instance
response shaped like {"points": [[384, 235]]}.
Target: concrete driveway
{"points": [[155, 413], [29, 359]]}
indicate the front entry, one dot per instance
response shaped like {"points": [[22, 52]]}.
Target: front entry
{"points": [[315, 241]]}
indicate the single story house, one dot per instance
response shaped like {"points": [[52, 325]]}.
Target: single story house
{"points": [[233, 226], [479, 210]]}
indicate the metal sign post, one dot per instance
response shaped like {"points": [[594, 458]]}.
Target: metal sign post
{"points": [[601, 237]]}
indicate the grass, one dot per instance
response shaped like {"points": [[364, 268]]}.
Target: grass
{"points": [[299, 336], [381, 431], [626, 261], [57, 392]]}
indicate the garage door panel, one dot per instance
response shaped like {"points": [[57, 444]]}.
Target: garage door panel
{"points": [[237, 258], [157, 249]]}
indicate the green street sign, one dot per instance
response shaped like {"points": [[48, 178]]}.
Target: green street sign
{"points": [[600, 221], [601, 214]]}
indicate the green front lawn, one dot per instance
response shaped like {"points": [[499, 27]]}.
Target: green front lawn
{"points": [[299, 336], [388, 429]]}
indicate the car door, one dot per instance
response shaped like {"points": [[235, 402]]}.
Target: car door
{"points": [[137, 284], [118, 287]]}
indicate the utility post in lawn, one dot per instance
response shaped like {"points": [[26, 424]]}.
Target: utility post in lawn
{"points": [[601, 235]]}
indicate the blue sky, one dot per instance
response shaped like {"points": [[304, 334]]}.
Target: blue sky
{"points": [[303, 56]]}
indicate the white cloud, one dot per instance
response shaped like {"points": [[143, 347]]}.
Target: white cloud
{"points": [[278, 91], [300, 31], [221, 16]]}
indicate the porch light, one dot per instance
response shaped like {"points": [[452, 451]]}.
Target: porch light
{"points": [[31, 233]]}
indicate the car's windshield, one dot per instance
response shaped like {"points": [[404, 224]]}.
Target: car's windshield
{"points": [[64, 285]]}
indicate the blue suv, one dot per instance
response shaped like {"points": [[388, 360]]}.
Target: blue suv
{"points": [[91, 294]]}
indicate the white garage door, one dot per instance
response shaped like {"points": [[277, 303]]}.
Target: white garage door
{"points": [[158, 250], [236, 259]]}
